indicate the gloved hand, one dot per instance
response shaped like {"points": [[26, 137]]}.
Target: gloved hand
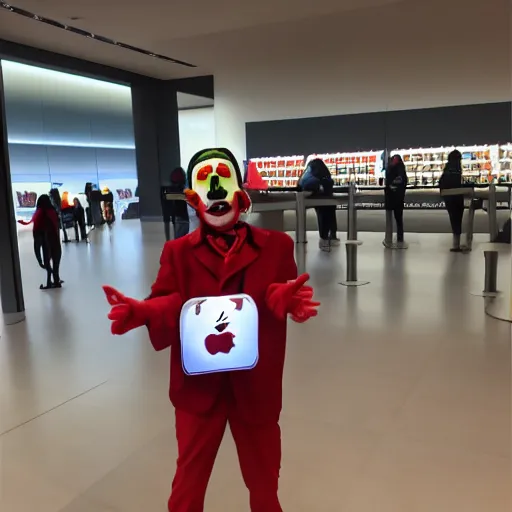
{"points": [[126, 313], [292, 298]]}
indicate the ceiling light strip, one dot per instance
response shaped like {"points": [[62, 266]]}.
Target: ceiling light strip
{"points": [[90, 35], [70, 143]]}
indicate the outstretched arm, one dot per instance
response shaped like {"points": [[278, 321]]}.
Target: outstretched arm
{"points": [[290, 296], [159, 312]]}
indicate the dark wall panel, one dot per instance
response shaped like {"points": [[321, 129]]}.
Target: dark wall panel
{"points": [[450, 126], [469, 124], [198, 86], [360, 132], [157, 142]]}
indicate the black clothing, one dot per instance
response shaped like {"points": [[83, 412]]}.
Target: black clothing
{"points": [[396, 185], [327, 223], [79, 222], [398, 212], [455, 208], [317, 179], [394, 193], [175, 211], [452, 178]]}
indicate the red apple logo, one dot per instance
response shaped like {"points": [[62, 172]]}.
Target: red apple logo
{"points": [[219, 343]]}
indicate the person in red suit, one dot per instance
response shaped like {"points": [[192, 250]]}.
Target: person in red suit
{"points": [[224, 256]]}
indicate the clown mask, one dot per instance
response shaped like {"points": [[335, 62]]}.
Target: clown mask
{"points": [[216, 189]]}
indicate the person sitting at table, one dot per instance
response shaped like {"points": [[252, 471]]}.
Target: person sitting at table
{"points": [[452, 178], [317, 178]]}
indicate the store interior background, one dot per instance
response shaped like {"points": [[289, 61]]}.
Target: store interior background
{"points": [[374, 57]]}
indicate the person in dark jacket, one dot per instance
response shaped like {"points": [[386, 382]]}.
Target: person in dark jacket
{"points": [[175, 211], [452, 178], [79, 220], [317, 178], [394, 197]]}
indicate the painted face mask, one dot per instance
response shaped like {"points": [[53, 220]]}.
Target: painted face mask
{"points": [[215, 190]]}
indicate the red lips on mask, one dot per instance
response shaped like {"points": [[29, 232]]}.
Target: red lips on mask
{"points": [[240, 204]]}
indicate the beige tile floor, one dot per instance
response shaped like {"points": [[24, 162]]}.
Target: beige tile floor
{"points": [[397, 397]]}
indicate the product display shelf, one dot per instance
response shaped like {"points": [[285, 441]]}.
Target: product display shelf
{"points": [[282, 171], [505, 163], [364, 168], [480, 163]]}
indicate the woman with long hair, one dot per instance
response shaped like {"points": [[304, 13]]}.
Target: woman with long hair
{"points": [[47, 246]]}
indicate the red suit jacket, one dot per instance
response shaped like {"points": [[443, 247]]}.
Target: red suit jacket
{"points": [[191, 267]]}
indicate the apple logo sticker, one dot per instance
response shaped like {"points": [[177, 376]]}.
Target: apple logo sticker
{"points": [[219, 334]]}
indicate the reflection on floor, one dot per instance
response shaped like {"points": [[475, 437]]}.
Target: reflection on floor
{"points": [[397, 397]]}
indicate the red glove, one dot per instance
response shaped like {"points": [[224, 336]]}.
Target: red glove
{"points": [[292, 298], [127, 313]]}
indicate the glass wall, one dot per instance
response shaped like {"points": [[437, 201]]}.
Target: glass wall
{"points": [[64, 131]]}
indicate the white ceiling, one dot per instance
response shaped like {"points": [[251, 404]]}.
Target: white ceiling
{"points": [[183, 29]]}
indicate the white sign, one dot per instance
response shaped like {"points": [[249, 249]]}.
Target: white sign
{"points": [[219, 334]]}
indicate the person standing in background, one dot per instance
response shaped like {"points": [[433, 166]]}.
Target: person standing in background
{"points": [[47, 240], [79, 220], [394, 197], [175, 210], [317, 178], [452, 178]]}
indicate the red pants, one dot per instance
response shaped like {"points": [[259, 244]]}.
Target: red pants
{"points": [[199, 438]]}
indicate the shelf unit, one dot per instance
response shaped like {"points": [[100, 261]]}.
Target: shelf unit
{"points": [[505, 163], [281, 171], [480, 164], [364, 168]]}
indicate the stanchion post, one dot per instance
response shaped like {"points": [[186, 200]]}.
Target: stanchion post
{"points": [[352, 243], [352, 213], [470, 223], [300, 212], [388, 237], [490, 275], [491, 212], [351, 250], [491, 272]]}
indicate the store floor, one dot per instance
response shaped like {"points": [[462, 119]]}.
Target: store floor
{"points": [[397, 397]]}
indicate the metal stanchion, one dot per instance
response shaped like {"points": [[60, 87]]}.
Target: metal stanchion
{"points": [[491, 212], [352, 243], [300, 212], [490, 276], [300, 258], [388, 237], [352, 213], [491, 272], [470, 222]]}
